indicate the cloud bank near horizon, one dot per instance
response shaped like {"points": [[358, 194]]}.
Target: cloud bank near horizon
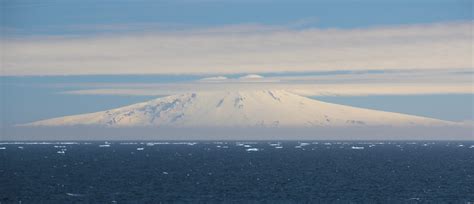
{"points": [[349, 84], [244, 49]]}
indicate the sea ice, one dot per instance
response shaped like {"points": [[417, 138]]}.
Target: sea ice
{"points": [[69, 143], [74, 194]]}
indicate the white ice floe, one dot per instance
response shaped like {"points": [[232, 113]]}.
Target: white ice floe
{"points": [[278, 147], [140, 149], [69, 143], [27, 143], [128, 143], [185, 143], [252, 150], [3, 148], [41, 143], [105, 145], [159, 143], [355, 147], [74, 194]]}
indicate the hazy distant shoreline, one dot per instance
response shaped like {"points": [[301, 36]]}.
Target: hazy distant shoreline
{"points": [[349, 133]]}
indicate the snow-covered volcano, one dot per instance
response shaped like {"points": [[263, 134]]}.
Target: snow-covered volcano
{"points": [[264, 108]]}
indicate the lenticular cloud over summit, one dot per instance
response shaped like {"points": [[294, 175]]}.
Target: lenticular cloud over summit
{"points": [[259, 108]]}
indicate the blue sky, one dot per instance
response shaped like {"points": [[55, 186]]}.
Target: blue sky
{"points": [[59, 17], [85, 43]]}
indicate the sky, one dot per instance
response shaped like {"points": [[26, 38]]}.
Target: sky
{"points": [[153, 37], [69, 57], [30, 17]]}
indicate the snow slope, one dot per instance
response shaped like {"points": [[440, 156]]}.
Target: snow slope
{"points": [[263, 108]]}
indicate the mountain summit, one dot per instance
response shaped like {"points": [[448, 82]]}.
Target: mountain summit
{"points": [[264, 108]]}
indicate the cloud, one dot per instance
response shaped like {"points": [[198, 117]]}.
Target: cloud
{"points": [[457, 81], [300, 89], [251, 77], [243, 49], [214, 79]]}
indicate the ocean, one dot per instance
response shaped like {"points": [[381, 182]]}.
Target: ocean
{"points": [[237, 172]]}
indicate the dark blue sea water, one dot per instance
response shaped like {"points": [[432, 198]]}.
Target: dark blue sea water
{"points": [[294, 172]]}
